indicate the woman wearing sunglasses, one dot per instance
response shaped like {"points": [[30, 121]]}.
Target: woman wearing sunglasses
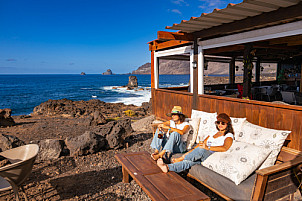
{"points": [[219, 142]]}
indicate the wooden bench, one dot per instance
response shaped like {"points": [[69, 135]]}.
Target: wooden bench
{"points": [[158, 185]]}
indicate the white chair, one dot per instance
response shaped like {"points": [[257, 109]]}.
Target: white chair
{"points": [[12, 176], [289, 97]]}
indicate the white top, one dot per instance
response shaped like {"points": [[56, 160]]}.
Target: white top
{"points": [[180, 127], [219, 141]]}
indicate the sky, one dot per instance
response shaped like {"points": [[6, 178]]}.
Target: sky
{"points": [[91, 36]]}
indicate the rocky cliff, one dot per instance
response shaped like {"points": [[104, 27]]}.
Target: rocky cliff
{"points": [[183, 67]]}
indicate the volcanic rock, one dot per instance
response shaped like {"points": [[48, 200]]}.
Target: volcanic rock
{"points": [[143, 125], [5, 117], [4, 161], [50, 149], [132, 81], [88, 143], [82, 109], [9, 142], [108, 72]]}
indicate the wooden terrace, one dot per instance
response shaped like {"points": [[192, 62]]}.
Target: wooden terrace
{"points": [[263, 31]]}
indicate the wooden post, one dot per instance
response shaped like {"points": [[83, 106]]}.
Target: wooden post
{"points": [[247, 73], [195, 76], [152, 70], [301, 80], [232, 71], [258, 70]]}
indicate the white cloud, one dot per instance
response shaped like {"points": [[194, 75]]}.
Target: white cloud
{"points": [[176, 11], [180, 2], [209, 5]]}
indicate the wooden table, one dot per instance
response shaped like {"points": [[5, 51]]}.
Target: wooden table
{"points": [[158, 185]]}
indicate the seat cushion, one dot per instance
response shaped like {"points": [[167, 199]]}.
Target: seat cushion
{"points": [[243, 191], [237, 163]]}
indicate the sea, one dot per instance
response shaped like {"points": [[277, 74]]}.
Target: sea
{"points": [[22, 93]]}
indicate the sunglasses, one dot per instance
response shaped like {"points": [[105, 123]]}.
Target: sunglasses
{"points": [[220, 122]]}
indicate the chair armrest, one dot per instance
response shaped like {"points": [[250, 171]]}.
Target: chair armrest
{"points": [[282, 166]]}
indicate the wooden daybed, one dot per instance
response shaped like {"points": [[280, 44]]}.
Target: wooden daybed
{"points": [[272, 183]]}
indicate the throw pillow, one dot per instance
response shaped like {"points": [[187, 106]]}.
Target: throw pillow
{"points": [[193, 132], [237, 163], [207, 124], [269, 139], [237, 124]]}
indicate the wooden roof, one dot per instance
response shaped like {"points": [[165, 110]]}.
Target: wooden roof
{"points": [[232, 13]]}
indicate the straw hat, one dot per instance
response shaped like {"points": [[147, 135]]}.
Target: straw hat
{"points": [[176, 110], [223, 117]]}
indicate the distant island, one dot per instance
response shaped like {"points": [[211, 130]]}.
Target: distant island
{"points": [[82, 73], [108, 72]]}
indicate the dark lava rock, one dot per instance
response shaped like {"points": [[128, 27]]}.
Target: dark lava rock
{"points": [[115, 139], [5, 117], [4, 161], [88, 143], [108, 72], [98, 119], [50, 149], [132, 81], [83, 109], [9, 142]]}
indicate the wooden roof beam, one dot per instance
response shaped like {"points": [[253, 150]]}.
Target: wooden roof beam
{"points": [[167, 44], [279, 15], [174, 36]]}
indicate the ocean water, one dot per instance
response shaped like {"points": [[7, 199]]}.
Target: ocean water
{"points": [[22, 93]]}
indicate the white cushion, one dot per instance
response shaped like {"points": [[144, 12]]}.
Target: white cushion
{"points": [[237, 124], [207, 124], [268, 139], [237, 163], [194, 122]]}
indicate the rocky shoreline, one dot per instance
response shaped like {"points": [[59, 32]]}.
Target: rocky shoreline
{"points": [[78, 141]]}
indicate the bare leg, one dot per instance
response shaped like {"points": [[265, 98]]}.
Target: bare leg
{"points": [[162, 165]]}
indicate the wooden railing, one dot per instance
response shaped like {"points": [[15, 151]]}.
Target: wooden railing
{"points": [[266, 114]]}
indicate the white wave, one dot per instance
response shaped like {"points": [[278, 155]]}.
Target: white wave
{"points": [[173, 85], [93, 96], [139, 96]]}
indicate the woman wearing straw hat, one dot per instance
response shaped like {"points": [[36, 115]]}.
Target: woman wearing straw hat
{"points": [[174, 140], [219, 142]]}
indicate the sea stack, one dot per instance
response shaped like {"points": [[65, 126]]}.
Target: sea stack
{"points": [[108, 72], [132, 81]]}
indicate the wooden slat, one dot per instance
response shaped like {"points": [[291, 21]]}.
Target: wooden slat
{"points": [[264, 19], [285, 180], [280, 193]]}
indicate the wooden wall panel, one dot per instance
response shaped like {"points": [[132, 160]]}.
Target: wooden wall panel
{"points": [[264, 114]]}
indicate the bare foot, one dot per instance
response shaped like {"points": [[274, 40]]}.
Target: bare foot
{"points": [[175, 160], [162, 165], [155, 156]]}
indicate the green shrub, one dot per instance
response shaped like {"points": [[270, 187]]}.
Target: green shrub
{"points": [[129, 113]]}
